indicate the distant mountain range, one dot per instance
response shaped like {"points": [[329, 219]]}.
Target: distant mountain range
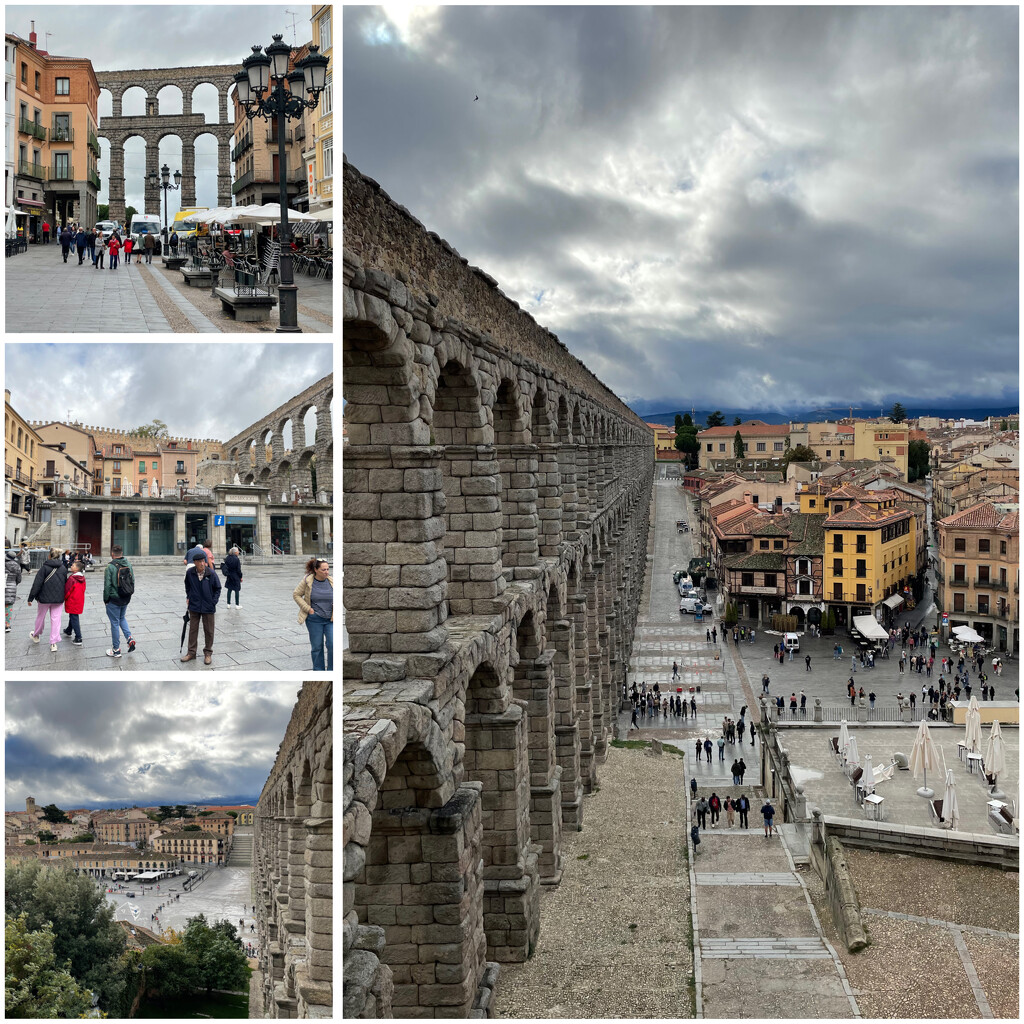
{"points": [[110, 805], [650, 414]]}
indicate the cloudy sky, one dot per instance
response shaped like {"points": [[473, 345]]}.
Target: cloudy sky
{"points": [[145, 35], [739, 207], [76, 744], [198, 390]]}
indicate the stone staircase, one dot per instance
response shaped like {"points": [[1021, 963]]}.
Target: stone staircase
{"points": [[241, 851]]}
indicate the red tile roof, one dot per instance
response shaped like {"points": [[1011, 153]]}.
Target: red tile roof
{"points": [[858, 514], [983, 515], [749, 427]]}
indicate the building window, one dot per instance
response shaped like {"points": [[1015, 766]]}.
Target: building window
{"points": [[1002, 547], [154, 467], [842, 453], [803, 587], [764, 545], [328, 148], [828, 451], [747, 579], [862, 594], [325, 32], [862, 544], [721, 447], [983, 576], [778, 545], [837, 542], [837, 567], [862, 569], [812, 503], [958, 602], [63, 86], [711, 447], [761, 446], [142, 465], [24, 72], [770, 579], [117, 449], [984, 545], [38, 81], [959, 543], [837, 591], [327, 96], [959, 573], [779, 446], [803, 567]]}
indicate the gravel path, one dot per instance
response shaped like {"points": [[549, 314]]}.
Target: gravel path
{"points": [[614, 936]]}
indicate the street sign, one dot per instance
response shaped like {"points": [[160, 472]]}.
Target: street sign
{"points": [[945, 618], [218, 520], [62, 522]]}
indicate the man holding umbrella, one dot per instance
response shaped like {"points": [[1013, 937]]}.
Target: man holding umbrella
{"points": [[202, 591]]}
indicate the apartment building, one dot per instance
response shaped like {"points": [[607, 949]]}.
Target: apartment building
{"points": [[979, 572], [123, 827], [759, 440], [321, 192], [95, 859], [192, 847], [23, 450]]}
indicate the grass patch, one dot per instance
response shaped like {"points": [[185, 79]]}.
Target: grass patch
{"points": [[631, 744], [633, 927], [583, 856]]}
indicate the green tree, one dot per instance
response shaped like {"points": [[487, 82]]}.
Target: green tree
{"points": [[191, 828], [129, 212], [46, 836], [52, 813], [678, 422], [180, 811], [35, 983], [171, 971], [233, 814], [84, 932], [801, 453], [898, 414], [918, 461], [736, 421], [219, 954], [103, 211], [687, 443], [716, 419], [1004, 425], [155, 429], [165, 811], [205, 814], [737, 446], [687, 420]]}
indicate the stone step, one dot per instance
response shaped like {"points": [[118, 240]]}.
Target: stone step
{"points": [[803, 948], [746, 877]]}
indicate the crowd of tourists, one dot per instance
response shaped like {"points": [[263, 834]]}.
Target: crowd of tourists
{"points": [[93, 244]]}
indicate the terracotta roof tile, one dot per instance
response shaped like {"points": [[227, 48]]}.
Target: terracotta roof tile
{"points": [[747, 427]]}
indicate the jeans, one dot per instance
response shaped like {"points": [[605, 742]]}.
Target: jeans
{"points": [[74, 626], [321, 631], [81, 254], [118, 624], [149, 255], [127, 256], [114, 258], [91, 250]]}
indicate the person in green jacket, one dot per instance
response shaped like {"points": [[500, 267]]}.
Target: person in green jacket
{"points": [[118, 588]]}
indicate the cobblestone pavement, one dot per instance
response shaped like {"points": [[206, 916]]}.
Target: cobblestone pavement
{"points": [[931, 954], [45, 294], [263, 634]]}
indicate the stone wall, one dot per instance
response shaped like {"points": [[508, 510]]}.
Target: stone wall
{"points": [[497, 501], [292, 858]]}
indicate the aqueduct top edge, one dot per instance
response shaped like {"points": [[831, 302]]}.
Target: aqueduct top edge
{"points": [[385, 235]]}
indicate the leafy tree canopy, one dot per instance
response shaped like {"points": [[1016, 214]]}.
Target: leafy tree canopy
{"points": [[180, 811], [678, 421], [155, 429], [716, 419], [35, 983], [687, 420], [736, 421], [129, 212], [801, 453], [898, 414], [203, 957], [45, 836], [52, 813], [191, 828], [234, 814], [204, 814], [918, 461], [737, 446], [103, 211]]}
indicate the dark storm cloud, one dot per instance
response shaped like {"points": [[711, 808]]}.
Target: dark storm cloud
{"points": [[129, 385], [75, 744], [740, 206]]}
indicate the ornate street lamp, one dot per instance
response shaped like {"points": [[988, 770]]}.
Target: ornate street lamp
{"points": [[163, 181], [259, 70]]}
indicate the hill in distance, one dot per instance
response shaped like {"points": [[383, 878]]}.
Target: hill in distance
{"points": [[700, 416]]}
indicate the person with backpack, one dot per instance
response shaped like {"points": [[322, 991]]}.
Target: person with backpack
{"points": [[118, 590], [768, 813], [48, 590], [202, 591], [12, 566], [715, 807], [74, 601]]}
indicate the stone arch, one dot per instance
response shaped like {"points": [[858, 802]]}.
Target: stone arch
{"points": [[517, 464], [208, 96], [549, 477], [284, 430], [202, 150], [166, 100], [104, 104], [131, 101]]}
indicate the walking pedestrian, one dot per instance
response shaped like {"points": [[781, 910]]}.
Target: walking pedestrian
{"points": [[792, 704], [743, 806], [730, 813], [853, 663], [707, 633], [80, 240], [871, 700], [699, 747], [315, 598], [693, 708], [715, 807], [701, 810], [90, 245], [202, 592], [693, 787], [114, 248], [74, 601], [714, 634], [232, 569], [174, 243], [735, 773], [633, 723], [803, 703], [118, 590], [65, 242], [768, 813], [128, 246], [707, 750], [48, 590], [46, 232], [721, 748], [765, 681], [101, 250], [12, 577], [742, 765], [741, 726], [149, 246]]}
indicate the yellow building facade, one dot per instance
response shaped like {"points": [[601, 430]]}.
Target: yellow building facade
{"points": [[22, 454], [321, 182], [881, 440]]}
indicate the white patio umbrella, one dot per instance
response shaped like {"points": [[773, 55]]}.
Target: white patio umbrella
{"points": [[844, 738], [972, 734], [950, 807], [923, 756], [968, 635], [852, 753], [268, 213], [154, 490], [868, 778], [995, 757], [219, 213]]}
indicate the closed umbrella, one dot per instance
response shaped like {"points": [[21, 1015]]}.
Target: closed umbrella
{"points": [[995, 757], [852, 753], [867, 780], [844, 738], [972, 734], [950, 808], [924, 756]]}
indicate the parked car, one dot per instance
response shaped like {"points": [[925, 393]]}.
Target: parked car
{"points": [[791, 641], [689, 604]]}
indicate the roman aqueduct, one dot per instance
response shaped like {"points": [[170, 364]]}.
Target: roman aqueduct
{"points": [[496, 500]]}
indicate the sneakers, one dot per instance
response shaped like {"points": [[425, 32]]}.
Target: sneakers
{"points": [[76, 643], [35, 639], [68, 631], [53, 648], [131, 645], [112, 653]]}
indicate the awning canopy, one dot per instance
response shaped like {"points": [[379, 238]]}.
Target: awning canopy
{"points": [[968, 635], [869, 628], [893, 601]]}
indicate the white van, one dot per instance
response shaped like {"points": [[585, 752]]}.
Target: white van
{"points": [[144, 224], [685, 586], [791, 641], [689, 604]]}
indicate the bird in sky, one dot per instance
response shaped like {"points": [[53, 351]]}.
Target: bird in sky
{"points": [[475, 98]]}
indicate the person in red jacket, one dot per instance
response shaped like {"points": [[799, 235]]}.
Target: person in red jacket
{"points": [[113, 247], [74, 602], [128, 246]]}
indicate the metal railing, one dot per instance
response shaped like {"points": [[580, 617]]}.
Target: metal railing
{"points": [[241, 146], [246, 179], [94, 178], [32, 128], [94, 143], [62, 173], [272, 136], [32, 170], [959, 581], [8, 469], [990, 585], [62, 134], [879, 713]]}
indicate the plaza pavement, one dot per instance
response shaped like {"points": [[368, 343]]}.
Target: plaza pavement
{"points": [[46, 295], [264, 633]]}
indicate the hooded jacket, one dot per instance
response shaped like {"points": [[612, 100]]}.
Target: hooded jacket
{"points": [[48, 586], [74, 594], [110, 594], [13, 576]]}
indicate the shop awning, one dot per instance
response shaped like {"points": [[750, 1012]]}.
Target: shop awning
{"points": [[893, 601], [869, 628], [31, 202]]}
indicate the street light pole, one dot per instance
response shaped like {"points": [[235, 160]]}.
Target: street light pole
{"points": [[163, 181]]}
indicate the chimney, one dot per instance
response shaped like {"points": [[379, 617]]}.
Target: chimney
{"points": [[32, 36], [747, 498]]}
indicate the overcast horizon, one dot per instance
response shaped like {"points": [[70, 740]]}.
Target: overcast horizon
{"points": [[79, 743], [188, 35], [128, 385], [718, 206]]}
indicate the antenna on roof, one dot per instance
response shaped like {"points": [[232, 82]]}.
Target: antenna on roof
{"points": [[294, 37]]}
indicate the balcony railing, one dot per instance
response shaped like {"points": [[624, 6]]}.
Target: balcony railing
{"points": [[300, 132], [31, 170], [62, 133], [94, 143], [32, 128], [8, 469], [94, 178], [958, 581], [272, 136], [62, 173], [990, 585], [241, 146], [246, 179]]}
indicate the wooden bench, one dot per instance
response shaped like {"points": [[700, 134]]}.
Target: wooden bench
{"points": [[201, 277], [247, 308]]}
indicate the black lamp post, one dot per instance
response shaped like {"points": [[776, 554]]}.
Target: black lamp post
{"points": [[164, 182], [308, 76]]}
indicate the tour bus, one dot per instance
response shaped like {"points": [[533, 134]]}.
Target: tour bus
{"points": [[186, 226], [144, 224]]}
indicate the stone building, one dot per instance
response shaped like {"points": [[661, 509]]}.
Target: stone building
{"points": [[192, 847], [292, 867], [760, 440], [123, 827], [96, 859], [497, 502]]}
